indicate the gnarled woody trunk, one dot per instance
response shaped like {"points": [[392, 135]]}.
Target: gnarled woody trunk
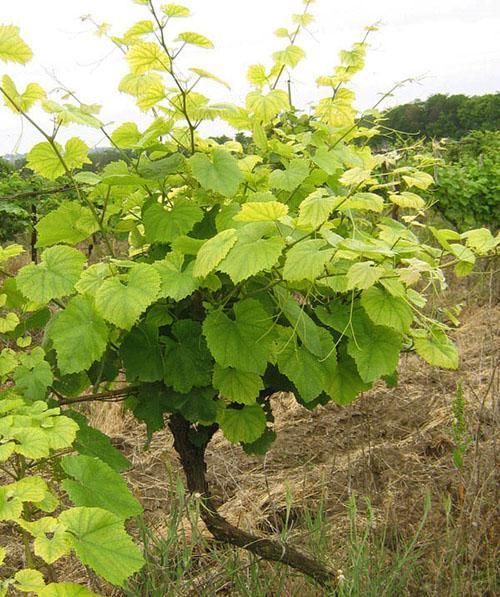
{"points": [[193, 463]]}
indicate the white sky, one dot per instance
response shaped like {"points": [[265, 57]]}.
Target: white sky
{"points": [[452, 43]]}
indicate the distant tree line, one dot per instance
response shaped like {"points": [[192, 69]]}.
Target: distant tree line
{"points": [[452, 116]]}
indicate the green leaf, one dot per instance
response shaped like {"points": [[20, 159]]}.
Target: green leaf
{"points": [[69, 223], [481, 240], [121, 300], [8, 362], [375, 349], [146, 56], [302, 368], [12, 47], [387, 310], [126, 135], [44, 160], [261, 211], [21, 101], [33, 375], [65, 589], [198, 406], [363, 202], [437, 349], [316, 209], [92, 442], [59, 431], [69, 114], [10, 252], [9, 322], [79, 335], [54, 277], [92, 278], [207, 75], [256, 74], [290, 178], [406, 199], [164, 225], [51, 541], [328, 161], [345, 384], [175, 10], [302, 324], [195, 39], [262, 444], [266, 107], [100, 541], [29, 580], [141, 353], [251, 255], [290, 56], [243, 343], [363, 275], [217, 172], [418, 179], [188, 363], [237, 386], [150, 405], [96, 484], [160, 169], [177, 281], [14, 495], [148, 89], [307, 260], [246, 424], [213, 251]]}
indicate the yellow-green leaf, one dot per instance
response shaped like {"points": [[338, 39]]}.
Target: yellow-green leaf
{"points": [[12, 47]]}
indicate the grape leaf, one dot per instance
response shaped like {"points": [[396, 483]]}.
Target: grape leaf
{"points": [[177, 280], [437, 349], [69, 223], [213, 251], [244, 342], [92, 442], [375, 349], [122, 302], [54, 277], [261, 211], [52, 163], [251, 255], [163, 226], [96, 484], [196, 39], [217, 172], [307, 260], [33, 375], [237, 386], [100, 541], [188, 363], [315, 209], [142, 354], [65, 589], [12, 47], [245, 424], [290, 178], [385, 309], [79, 335]]}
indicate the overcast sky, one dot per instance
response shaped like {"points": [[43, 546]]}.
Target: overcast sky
{"points": [[452, 44]]}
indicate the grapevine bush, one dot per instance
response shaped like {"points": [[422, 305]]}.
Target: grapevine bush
{"points": [[229, 273]]}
